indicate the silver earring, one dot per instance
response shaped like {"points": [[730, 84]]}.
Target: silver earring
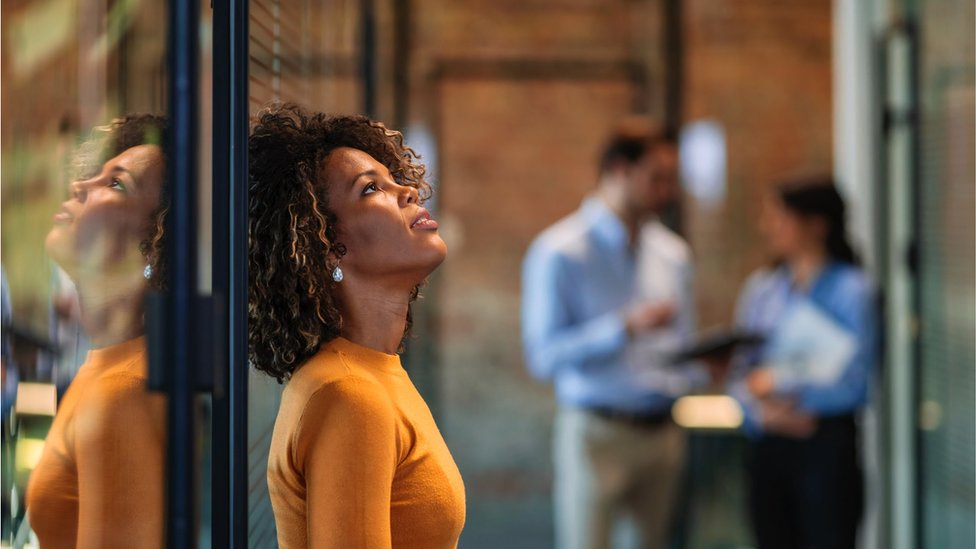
{"points": [[147, 272], [337, 274]]}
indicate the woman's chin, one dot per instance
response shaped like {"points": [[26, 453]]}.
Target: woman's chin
{"points": [[431, 257], [438, 251], [56, 246]]}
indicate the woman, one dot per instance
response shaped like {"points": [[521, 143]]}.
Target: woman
{"points": [[99, 481], [803, 388], [339, 244]]}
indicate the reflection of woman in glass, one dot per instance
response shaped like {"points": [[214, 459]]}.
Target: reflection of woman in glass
{"points": [[339, 244], [99, 481], [803, 388]]}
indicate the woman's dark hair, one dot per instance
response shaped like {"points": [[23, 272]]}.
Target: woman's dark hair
{"points": [[107, 142], [292, 302], [818, 197]]}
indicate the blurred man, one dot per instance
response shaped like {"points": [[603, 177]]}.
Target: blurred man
{"points": [[606, 298]]}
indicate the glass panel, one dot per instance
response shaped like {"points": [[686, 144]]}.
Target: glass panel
{"points": [[303, 52], [83, 122], [204, 418], [84, 116], [947, 312]]}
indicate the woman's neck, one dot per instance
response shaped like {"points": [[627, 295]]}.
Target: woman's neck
{"points": [[111, 310], [806, 265], [374, 318]]}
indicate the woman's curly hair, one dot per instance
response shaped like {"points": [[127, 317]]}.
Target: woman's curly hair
{"points": [[292, 302], [107, 142]]}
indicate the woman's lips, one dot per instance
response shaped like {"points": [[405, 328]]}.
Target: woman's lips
{"points": [[423, 221], [63, 216]]}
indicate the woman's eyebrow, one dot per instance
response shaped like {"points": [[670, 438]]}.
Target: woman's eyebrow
{"points": [[369, 172], [122, 169]]}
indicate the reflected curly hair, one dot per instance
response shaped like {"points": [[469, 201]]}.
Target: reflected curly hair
{"points": [[107, 142], [292, 301]]}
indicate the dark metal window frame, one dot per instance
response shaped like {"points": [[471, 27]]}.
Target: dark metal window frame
{"points": [[230, 130], [175, 319], [199, 344]]}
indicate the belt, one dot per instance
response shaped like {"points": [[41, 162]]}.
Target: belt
{"points": [[640, 419]]}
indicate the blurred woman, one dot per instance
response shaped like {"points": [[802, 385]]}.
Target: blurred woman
{"points": [[99, 480], [339, 244], [803, 388]]}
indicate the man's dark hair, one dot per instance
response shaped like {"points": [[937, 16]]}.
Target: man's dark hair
{"points": [[632, 138]]}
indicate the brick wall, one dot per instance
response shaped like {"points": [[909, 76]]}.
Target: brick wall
{"points": [[519, 96], [516, 97], [761, 69]]}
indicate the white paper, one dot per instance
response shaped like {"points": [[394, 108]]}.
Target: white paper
{"points": [[809, 346]]}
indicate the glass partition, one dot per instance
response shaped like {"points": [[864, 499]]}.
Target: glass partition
{"points": [[87, 214], [305, 52]]}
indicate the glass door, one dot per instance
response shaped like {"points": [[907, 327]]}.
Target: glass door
{"points": [[91, 232], [115, 306]]}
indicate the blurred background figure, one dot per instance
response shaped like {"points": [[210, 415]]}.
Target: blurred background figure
{"points": [[804, 388], [99, 480], [606, 296]]}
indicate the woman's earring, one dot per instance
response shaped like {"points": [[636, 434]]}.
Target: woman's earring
{"points": [[147, 272], [337, 274]]}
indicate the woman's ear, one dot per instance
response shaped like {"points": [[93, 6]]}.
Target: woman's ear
{"points": [[334, 257]]}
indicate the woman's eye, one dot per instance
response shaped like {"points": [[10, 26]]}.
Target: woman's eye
{"points": [[117, 184], [369, 189]]}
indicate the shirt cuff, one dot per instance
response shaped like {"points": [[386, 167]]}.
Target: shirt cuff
{"points": [[611, 331], [785, 382]]}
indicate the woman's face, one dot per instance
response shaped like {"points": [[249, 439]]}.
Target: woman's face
{"points": [[788, 233], [389, 237], [99, 229]]}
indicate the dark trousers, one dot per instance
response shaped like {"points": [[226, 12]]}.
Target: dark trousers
{"points": [[809, 493]]}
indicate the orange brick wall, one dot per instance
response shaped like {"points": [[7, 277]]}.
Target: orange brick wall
{"points": [[762, 69], [516, 152]]}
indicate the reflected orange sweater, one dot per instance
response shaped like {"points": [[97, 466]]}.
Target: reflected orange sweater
{"points": [[99, 481], [356, 460]]}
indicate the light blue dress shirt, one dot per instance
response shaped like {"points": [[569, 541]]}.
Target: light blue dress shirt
{"points": [[579, 279], [843, 293]]}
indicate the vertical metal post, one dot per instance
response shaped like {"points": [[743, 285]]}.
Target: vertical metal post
{"points": [[902, 299], [177, 353], [674, 89], [674, 63], [367, 56], [402, 23], [230, 88]]}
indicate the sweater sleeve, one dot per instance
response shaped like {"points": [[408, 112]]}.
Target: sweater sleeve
{"points": [[120, 452], [347, 446]]}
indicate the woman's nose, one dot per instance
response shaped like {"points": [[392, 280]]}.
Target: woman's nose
{"points": [[409, 195], [78, 190]]}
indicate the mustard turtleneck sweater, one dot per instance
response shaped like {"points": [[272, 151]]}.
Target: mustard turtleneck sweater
{"points": [[356, 460], [99, 481]]}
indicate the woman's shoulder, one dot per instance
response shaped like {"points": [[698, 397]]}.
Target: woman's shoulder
{"points": [[343, 411], [353, 393], [330, 367], [118, 403], [851, 274], [851, 278], [124, 382], [328, 382]]}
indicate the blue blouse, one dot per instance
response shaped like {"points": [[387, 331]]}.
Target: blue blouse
{"points": [[843, 293]]}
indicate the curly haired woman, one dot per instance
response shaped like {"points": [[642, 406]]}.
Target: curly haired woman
{"points": [[339, 245], [99, 480]]}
